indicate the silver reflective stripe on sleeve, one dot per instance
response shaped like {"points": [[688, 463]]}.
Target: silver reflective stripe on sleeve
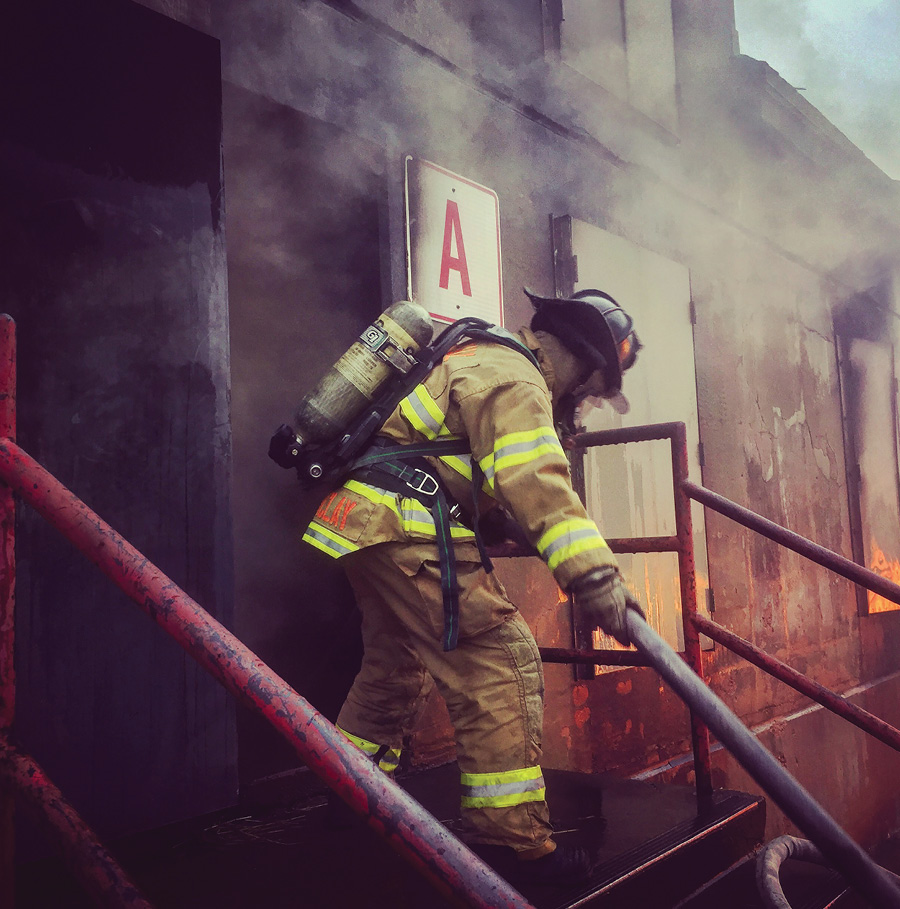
{"points": [[567, 539]]}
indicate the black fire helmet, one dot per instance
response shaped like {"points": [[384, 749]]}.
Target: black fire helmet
{"points": [[593, 326]]}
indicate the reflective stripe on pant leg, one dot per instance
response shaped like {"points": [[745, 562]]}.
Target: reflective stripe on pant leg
{"points": [[502, 790], [492, 683], [387, 758]]}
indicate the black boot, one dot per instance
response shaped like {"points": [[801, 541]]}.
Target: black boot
{"points": [[565, 865]]}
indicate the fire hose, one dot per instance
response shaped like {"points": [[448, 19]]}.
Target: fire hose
{"points": [[773, 856], [870, 880]]}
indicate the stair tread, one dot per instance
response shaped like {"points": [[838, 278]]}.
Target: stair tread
{"points": [[277, 853]]}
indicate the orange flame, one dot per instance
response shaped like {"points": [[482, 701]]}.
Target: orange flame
{"points": [[887, 568]]}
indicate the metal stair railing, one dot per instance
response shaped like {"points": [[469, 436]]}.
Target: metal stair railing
{"points": [[685, 675], [394, 815], [399, 819], [869, 879], [85, 856]]}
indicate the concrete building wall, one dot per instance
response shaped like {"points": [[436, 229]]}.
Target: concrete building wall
{"points": [[778, 219]]}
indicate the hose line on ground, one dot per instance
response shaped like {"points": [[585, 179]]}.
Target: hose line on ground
{"points": [[773, 856]]}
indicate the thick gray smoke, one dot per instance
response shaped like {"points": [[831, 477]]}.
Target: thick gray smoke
{"points": [[846, 57]]}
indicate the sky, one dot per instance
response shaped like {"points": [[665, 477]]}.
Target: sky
{"points": [[845, 54]]}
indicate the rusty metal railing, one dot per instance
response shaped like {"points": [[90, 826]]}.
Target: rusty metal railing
{"points": [[681, 543], [705, 707], [393, 814], [7, 607], [864, 720], [865, 577], [85, 856], [869, 879]]}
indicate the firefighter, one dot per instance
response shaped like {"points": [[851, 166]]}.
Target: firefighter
{"points": [[432, 611]]}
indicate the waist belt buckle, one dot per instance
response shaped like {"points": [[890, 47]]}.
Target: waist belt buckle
{"points": [[423, 482]]}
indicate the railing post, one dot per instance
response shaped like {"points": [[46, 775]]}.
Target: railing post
{"points": [[687, 575], [7, 606]]}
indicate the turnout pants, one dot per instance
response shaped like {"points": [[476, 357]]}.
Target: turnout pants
{"points": [[492, 683]]}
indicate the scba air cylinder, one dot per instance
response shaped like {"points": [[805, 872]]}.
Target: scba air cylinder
{"points": [[383, 351]]}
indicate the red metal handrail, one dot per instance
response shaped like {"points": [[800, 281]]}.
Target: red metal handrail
{"points": [[685, 490], [393, 814], [85, 855], [865, 577], [827, 558], [7, 606], [798, 805]]}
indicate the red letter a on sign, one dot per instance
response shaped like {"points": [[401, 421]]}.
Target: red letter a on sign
{"points": [[453, 231]]}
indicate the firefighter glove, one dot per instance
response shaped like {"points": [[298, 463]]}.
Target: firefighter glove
{"points": [[605, 598]]}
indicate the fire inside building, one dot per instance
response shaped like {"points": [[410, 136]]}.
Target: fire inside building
{"points": [[203, 205]]}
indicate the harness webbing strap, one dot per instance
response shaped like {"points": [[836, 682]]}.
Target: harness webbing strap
{"points": [[449, 585], [477, 480], [383, 450], [403, 469], [383, 465]]}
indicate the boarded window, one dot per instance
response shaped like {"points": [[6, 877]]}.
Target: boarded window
{"points": [[626, 47], [592, 41], [629, 490], [869, 401]]}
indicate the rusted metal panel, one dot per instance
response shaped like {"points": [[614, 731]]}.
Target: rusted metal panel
{"points": [[794, 541], [393, 814], [784, 673]]}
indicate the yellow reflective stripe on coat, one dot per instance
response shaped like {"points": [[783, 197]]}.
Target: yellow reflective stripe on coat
{"points": [[361, 743], [517, 448], [425, 416], [501, 790], [374, 494], [423, 413], [568, 539], [389, 760], [462, 464], [328, 541], [418, 519]]}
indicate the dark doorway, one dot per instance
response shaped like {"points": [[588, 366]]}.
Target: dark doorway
{"points": [[112, 264], [304, 279]]}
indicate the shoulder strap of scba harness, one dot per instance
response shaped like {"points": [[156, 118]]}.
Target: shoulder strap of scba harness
{"points": [[403, 468], [331, 462]]}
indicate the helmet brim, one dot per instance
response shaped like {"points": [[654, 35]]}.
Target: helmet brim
{"points": [[592, 341]]}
